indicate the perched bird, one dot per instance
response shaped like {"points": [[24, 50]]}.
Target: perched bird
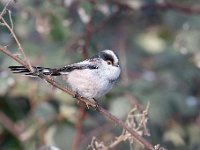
{"points": [[91, 78]]}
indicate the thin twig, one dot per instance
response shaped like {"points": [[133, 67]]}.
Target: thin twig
{"points": [[86, 101], [10, 18], [4, 9], [18, 43], [19, 60], [130, 130]]}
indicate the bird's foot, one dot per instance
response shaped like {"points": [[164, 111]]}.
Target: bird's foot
{"points": [[35, 71], [96, 104], [77, 95]]}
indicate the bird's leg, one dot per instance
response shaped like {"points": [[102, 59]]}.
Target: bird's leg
{"points": [[35, 71], [96, 104], [77, 95]]}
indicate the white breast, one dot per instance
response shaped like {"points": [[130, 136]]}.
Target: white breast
{"points": [[94, 83], [89, 83]]}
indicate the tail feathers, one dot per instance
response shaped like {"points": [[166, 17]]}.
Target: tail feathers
{"points": [[25, 71]]}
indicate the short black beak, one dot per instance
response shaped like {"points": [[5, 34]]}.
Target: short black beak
{"points": [[116, 65]]}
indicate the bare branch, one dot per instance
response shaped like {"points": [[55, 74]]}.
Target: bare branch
{"points": [[18, 43], [88, 102], [4, 9], [10, 18], [137, 121]]}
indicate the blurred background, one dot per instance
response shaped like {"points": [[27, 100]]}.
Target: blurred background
{"points": [[158, 44]]}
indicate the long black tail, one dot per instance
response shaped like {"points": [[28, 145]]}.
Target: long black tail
{"points": [[25, 71]]}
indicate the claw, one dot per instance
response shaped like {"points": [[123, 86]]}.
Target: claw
{"points": [[76, 95], [88, 105]]}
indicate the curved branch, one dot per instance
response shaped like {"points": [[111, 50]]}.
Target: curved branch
{"points": [[86, 101]]}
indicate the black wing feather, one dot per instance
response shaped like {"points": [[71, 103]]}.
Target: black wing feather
{"points": [[49, 71], [70, 68]]}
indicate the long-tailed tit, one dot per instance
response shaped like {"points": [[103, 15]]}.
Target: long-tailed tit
{"points": [[91, 78]]}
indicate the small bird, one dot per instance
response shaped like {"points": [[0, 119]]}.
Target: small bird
{"points": [[91, 78]]}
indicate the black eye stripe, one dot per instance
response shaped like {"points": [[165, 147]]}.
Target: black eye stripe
{"points": [[106, 57]]}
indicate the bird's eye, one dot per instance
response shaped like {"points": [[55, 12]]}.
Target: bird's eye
{"points": [[109, 62]]}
